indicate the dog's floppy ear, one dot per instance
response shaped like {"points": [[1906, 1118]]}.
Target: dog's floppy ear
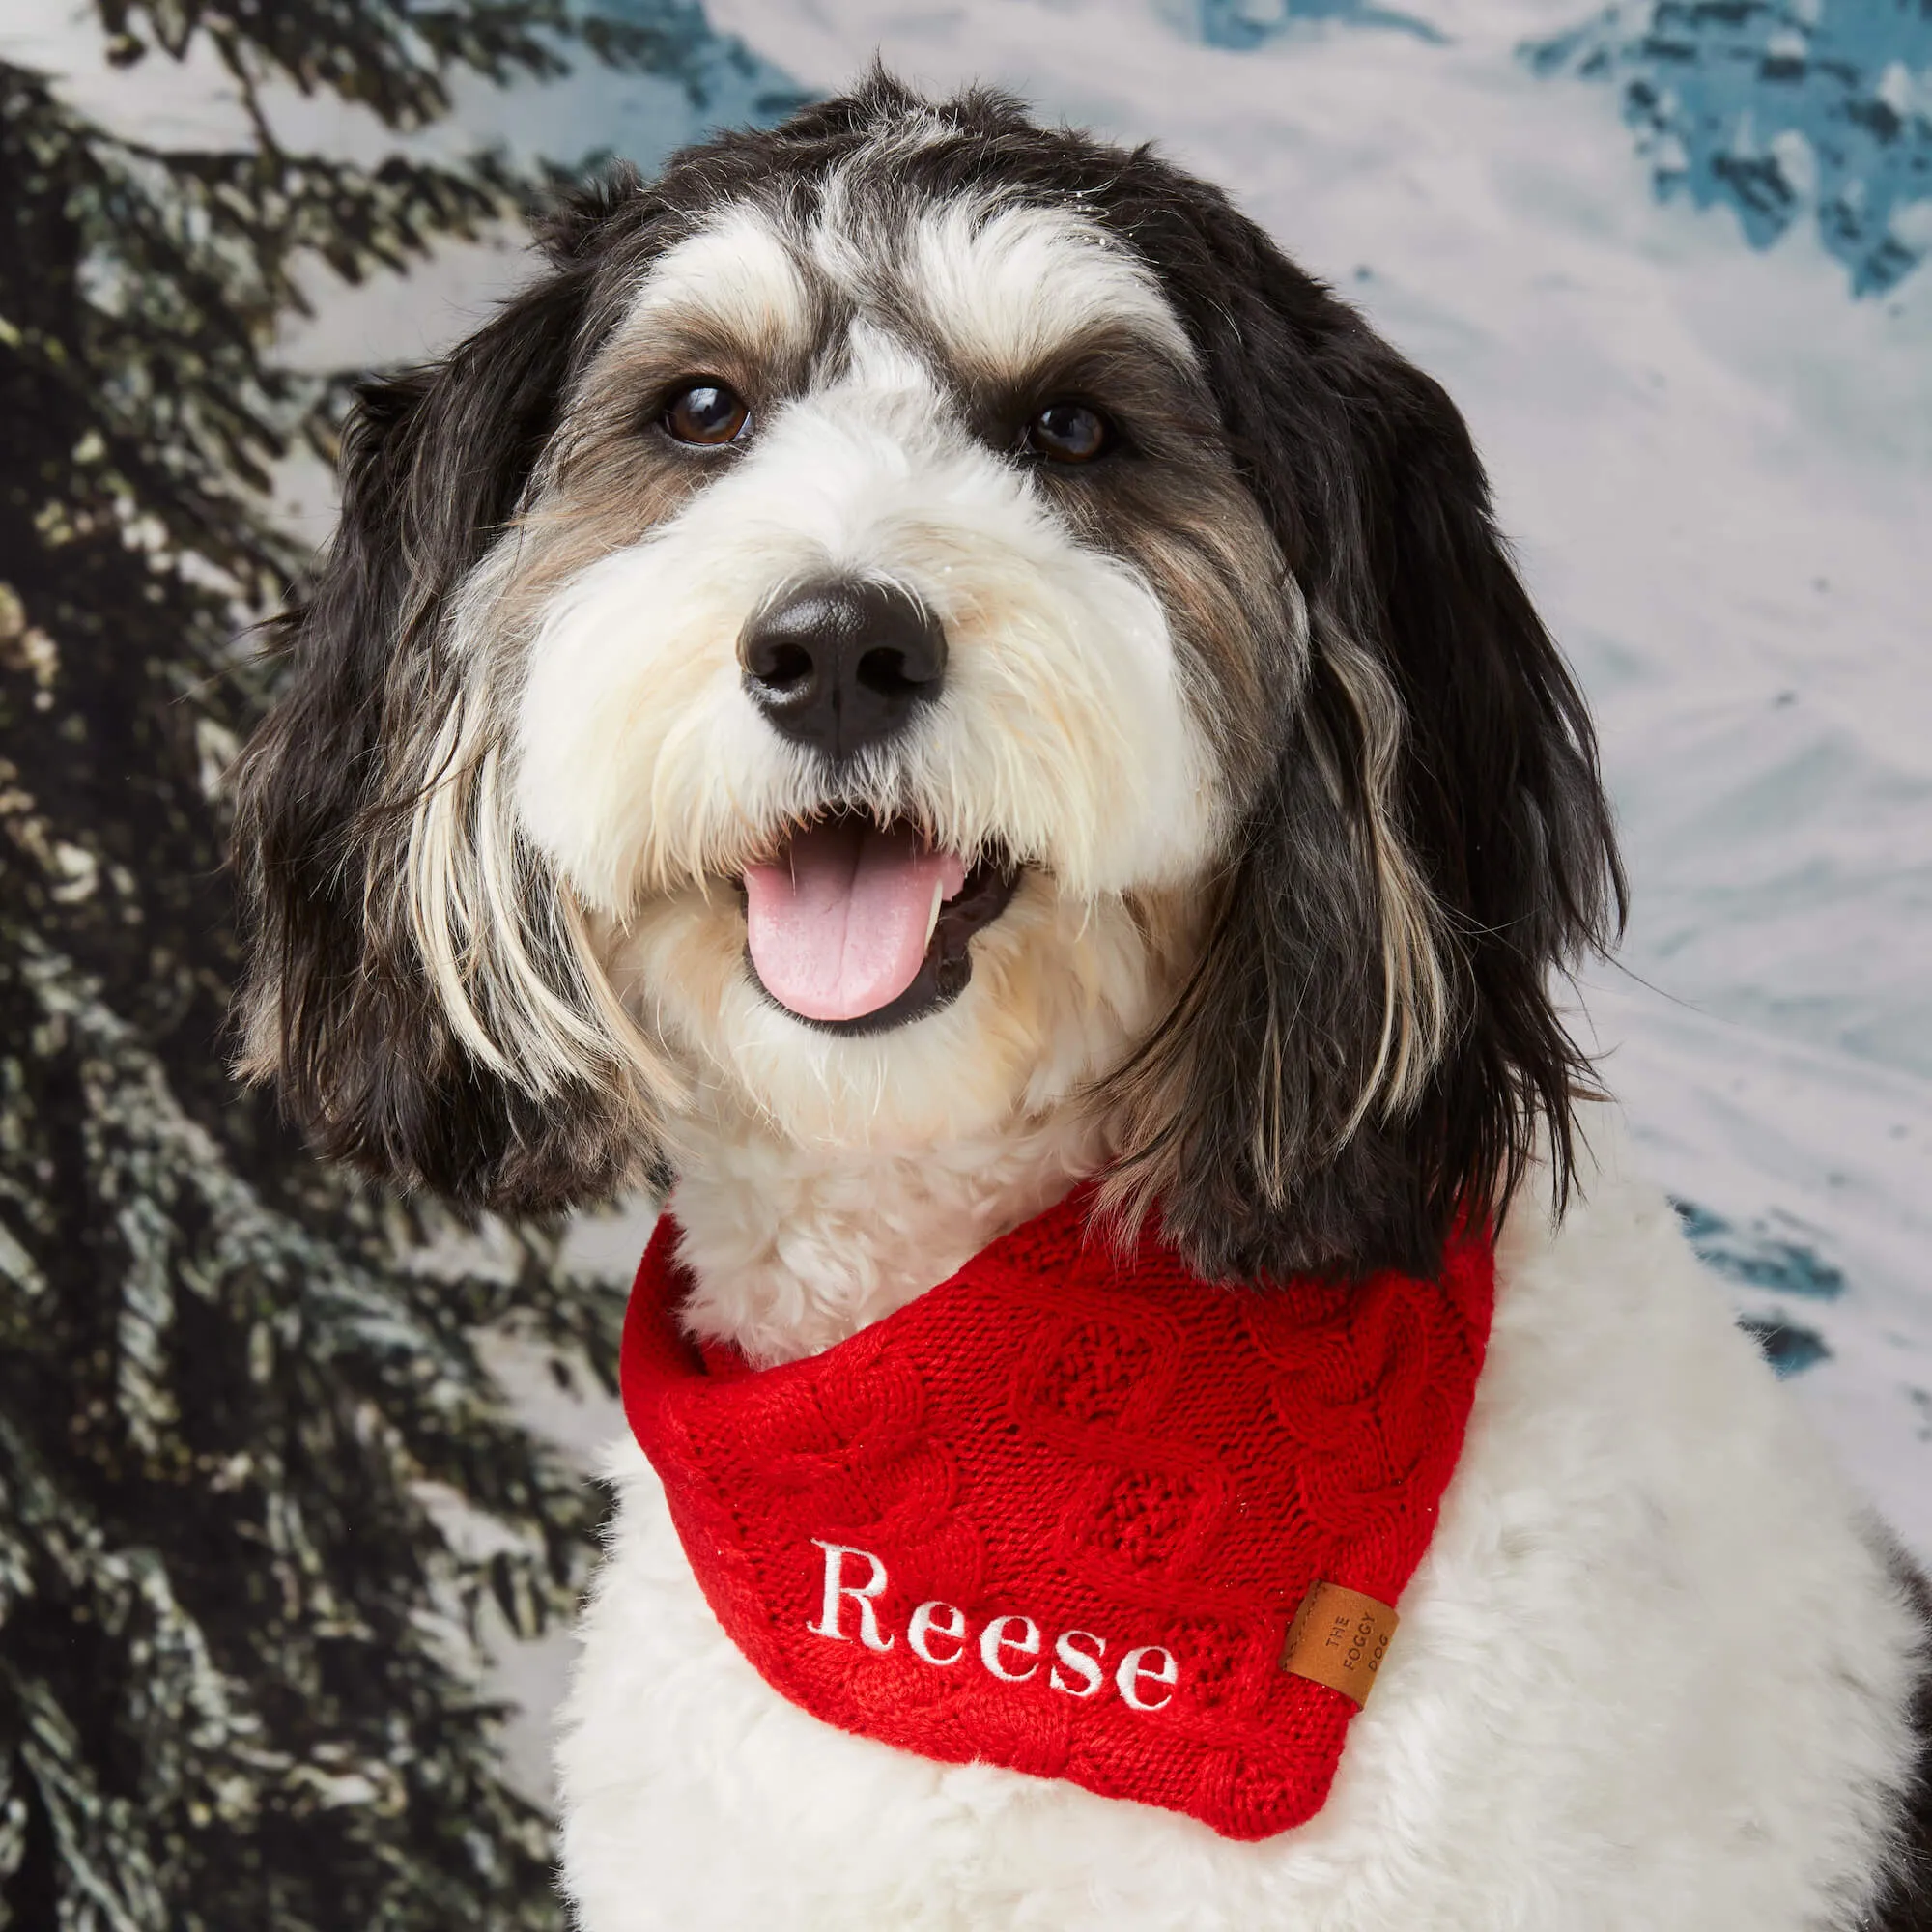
{"points": [[1371, 1042], [488, 1064]]}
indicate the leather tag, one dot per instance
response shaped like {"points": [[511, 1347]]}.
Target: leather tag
{"points": [[1339, 1638]]}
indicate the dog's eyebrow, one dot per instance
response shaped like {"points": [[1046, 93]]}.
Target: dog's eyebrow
{"points": [[1007, 290], [736, 277]]}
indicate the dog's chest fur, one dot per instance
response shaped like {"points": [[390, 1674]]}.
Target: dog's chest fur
{"points": [[1650, 1674], [793, 1252]]}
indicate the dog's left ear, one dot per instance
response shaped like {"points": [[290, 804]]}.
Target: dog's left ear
{"points": [[1369, 1047]]}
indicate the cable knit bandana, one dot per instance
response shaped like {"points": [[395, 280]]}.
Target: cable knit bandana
{"points": [[1061, 1512]]}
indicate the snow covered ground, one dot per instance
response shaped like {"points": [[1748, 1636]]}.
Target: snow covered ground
{"points": [[1718, 467]]}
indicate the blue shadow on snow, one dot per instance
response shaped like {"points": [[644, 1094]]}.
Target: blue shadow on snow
{"points": [[1243, 25], [1759, 1259], [1773, 106]]}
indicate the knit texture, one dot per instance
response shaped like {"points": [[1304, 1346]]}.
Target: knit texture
{"points": [[1079, 1440]]}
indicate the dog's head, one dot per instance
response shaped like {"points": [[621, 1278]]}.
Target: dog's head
{"points": [[913, 621]]}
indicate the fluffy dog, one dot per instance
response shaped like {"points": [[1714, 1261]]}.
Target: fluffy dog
{"points": [[922, 664]]}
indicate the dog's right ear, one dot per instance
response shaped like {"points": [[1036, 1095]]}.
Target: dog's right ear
{"points": [[339, 1007]]}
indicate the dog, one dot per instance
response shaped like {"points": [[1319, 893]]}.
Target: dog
{"points": [[922, 671]]}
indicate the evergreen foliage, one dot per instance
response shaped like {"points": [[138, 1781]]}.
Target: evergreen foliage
{"points": [[256, 1485]]}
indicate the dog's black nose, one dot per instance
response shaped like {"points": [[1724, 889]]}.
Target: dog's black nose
{"points": [[841, 665]]}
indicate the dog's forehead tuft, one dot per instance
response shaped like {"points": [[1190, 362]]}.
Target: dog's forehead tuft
{"points": [[1009, 287], [997, 287], [738, 276]]}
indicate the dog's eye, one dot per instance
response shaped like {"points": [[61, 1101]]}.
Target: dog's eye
{"points": [[1069, 433], [707, 412]]}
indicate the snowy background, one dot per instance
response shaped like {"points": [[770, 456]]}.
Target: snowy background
{"points": [[1667, 259]]}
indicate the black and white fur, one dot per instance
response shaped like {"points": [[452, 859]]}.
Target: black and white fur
{"points": [[1304, 810]]}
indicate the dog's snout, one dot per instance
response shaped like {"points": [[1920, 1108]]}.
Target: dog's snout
{"points": [[839, 666]]}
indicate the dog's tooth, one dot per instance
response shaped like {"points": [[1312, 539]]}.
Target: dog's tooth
{"points": [[932, 917]]}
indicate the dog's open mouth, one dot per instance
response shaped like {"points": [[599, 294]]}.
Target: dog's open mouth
{"points": [[858, 926]]}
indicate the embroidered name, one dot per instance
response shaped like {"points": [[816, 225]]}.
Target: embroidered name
{"points": [[1009, 1648]]}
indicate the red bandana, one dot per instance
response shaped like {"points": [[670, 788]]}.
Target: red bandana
{"points": [[1059, 1513]]}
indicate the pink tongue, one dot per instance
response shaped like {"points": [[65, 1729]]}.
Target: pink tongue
{"points": [[839, 926]]}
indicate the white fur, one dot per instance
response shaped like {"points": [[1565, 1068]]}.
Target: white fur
{"points": [[1008, 286], [642, 766], [1649, 1677], [794, 1254], [737, 274]]}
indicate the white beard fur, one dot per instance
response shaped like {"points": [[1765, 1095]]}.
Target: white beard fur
{"points": [[1651, 1674]]}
